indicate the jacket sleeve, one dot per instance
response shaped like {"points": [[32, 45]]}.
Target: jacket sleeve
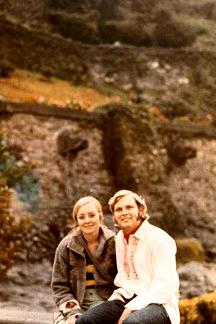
{"points": [[60, 283], [165, 281]]}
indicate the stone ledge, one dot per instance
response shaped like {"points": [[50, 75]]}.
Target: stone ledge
{"points": [[22, 317]]}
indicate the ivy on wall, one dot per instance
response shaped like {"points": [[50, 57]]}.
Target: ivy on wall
{"points": [[11, 232], [18, 174]]}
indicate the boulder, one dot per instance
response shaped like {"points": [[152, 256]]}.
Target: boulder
{"points": [[197, 279]]}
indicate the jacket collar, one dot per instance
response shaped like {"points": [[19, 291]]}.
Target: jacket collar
{"points": [[75, 245]]}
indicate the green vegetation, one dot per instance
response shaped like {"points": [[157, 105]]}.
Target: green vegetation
{"points": [[75, 26], [18, 174], [11, 232], [126, 32], [6, 68], [173, 30], [189, 249], [199, 310]]}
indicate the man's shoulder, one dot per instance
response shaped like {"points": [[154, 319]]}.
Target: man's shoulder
{"points": [[158, 234]]}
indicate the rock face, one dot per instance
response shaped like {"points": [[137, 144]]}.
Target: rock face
{"points": [[197, 178], [62, 179], [121, 149], [196, 279], [19, 292]]}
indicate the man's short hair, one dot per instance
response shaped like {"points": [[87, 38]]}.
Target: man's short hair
{"points": [[139, 200]]}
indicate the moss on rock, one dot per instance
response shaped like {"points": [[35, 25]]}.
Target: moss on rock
{"points": [[131, 148], [134, 157], [189, 249]]}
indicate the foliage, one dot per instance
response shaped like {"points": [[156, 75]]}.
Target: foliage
{"points": [[128, 32], [12, 168], [68, 5], [189, 249], [108, 9], [174, 31], [199, 310], [27, 189], [17, 173], [5, 68], [75, 26], [11, 232]]}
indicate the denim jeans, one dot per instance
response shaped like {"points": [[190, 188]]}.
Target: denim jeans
{"points": [[110, 311]]}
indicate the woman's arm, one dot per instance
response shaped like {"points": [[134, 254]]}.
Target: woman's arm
{"points": [[60, 282]]}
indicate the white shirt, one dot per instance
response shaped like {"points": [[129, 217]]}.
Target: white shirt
{"points": [[149, 271]]}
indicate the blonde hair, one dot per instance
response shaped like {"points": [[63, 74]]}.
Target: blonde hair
{"points": [[83, 201], [139, 200]]}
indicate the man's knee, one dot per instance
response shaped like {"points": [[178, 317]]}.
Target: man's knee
{"points": [[130, 321], [153, 313], [83, 319]]}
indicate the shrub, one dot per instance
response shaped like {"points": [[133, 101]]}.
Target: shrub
{"points": [[6, 68], [128, 32], [19, 174], [189, 249], [199, 310], [108, 9], [174, 31], [68, 5], [208, 10], [76, 26], [10, 170], [11, 232]]}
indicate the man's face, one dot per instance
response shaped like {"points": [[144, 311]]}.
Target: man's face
{"points": [[126, 214]]}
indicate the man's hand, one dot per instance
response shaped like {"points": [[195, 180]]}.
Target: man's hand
{"points": [[124, 315]]}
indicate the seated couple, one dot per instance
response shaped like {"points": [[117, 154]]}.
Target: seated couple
{"points": [[99, 277]]}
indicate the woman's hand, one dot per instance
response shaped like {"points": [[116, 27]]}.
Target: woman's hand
{"points": [[72, 319], [124, 315]]}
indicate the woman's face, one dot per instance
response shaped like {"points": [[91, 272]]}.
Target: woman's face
{"points": [[88, 219]]}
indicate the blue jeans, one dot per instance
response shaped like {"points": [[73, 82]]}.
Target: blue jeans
{"points": [[110, 311]]}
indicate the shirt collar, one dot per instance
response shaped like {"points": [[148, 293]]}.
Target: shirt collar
{"points": [[140, 233]]}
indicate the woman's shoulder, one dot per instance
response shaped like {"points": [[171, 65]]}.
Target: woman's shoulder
{"points": [[66, 240], [107, 233]]}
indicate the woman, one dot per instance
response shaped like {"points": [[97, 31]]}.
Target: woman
{"points": [[85, 264]]}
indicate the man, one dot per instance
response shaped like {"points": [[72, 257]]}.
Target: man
{"points": [[147, 278]]}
